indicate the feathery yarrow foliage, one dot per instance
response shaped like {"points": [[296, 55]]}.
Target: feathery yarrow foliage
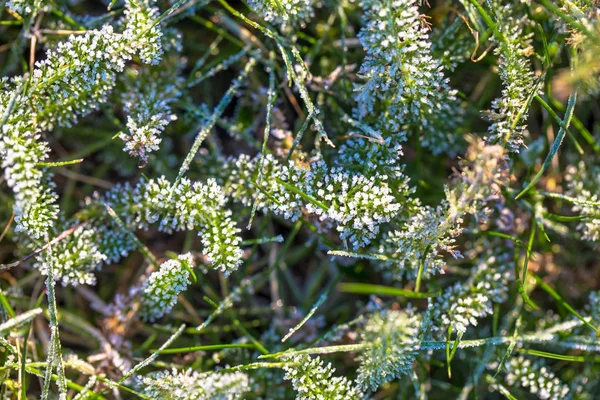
{"points": [[74, 259], [463, 304], [509, 112], [536, 378], [285, 13], [392, 339], [314, 379], [148, 106], [403, 83], [583, 180], [161, 289], [350, 203], [191, 385], [186, 205], [432, 231]]}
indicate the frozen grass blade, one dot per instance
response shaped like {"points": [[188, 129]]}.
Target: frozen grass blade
{"points": [[209, 124]]}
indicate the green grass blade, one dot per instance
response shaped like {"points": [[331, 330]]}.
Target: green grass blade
{"points": [[562, 302], [366, 288], [556, 145]]}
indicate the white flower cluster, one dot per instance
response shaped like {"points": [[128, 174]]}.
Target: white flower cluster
{"points": [[77, 76], [143, 134], [583, 186], [392, 335], [403, 83], [354, 204], [285, 13], [161, 289], [73, 259], [186, 206], [313, 379], [270, 195], [536, 378], [509, 112], [462, 304], [192, 385]]}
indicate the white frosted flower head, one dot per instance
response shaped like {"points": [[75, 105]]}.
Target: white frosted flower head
{"points": [[141, 31], [147, 103], [186, 206], [355, 205], [431, 232], [72, 80], [140, 140], [510, 111], [244, 170]]}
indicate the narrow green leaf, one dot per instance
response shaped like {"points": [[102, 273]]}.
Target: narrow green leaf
{"points": [[366, 288], [557, 142], [561, 357], [209, 347], [562, 302]]}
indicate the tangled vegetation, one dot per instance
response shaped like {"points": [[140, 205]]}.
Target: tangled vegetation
{"points": [[310, 199]]}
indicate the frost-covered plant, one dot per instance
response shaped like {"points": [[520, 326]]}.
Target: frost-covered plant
{"points": [[313, 379], [535, 377], [307, 161], [192, 385], [161, 289], [147, 103], [70, 82], [582, 186], [509, 112], [392, 339], [463, 304], [184, 206], [141, 17], [353, 204], [431, 232], [403, 84], [285, 13], [74, 259], [451, 43]]}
